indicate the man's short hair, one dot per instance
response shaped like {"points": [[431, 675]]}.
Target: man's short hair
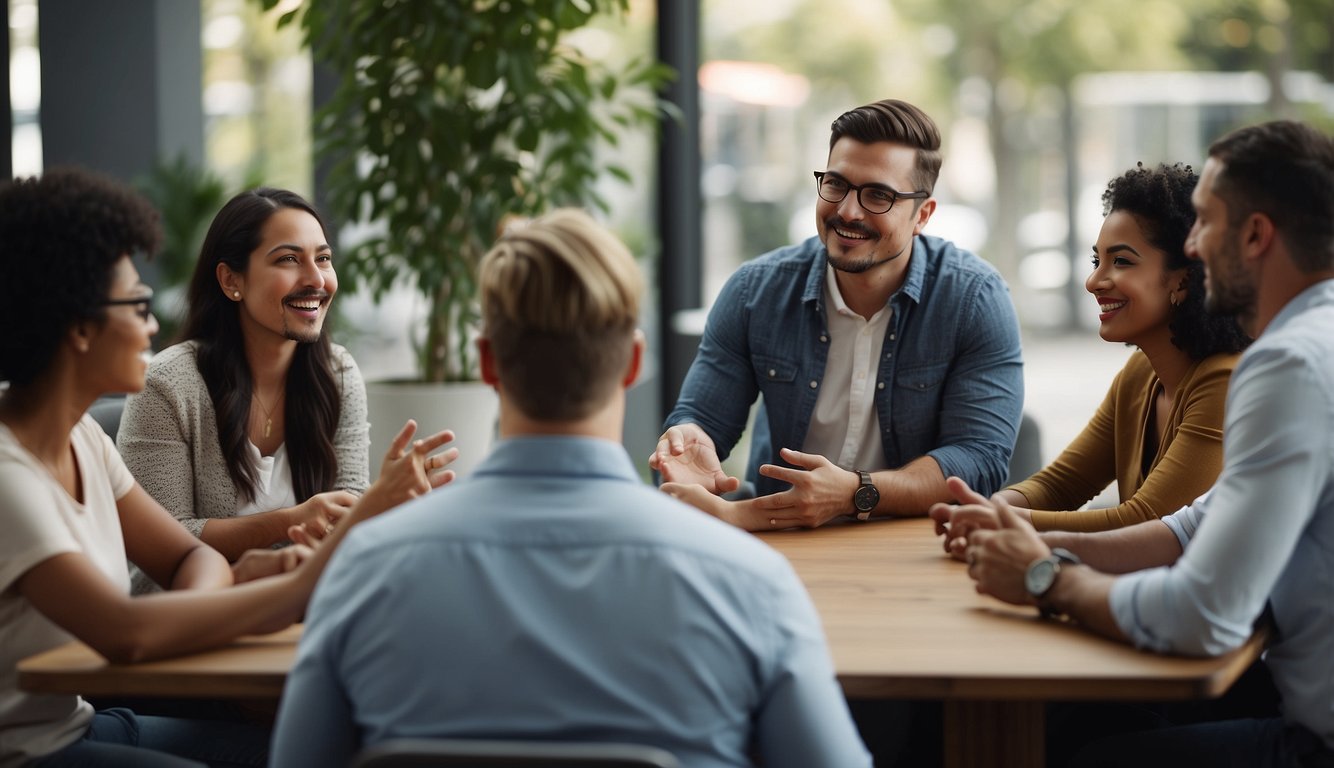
{"points": [[560, 301], [1285, 170], [896, 121]]}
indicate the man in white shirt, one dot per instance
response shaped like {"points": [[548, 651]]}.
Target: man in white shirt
{"points": [[1262, 539]]}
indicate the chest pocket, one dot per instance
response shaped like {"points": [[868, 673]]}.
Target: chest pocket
{"points": [[917, 398], [771, 370]]}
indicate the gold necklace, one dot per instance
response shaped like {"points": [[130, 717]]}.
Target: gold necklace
{"points": [[268, 412]]}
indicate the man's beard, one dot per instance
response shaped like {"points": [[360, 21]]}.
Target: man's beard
{"points": [[846, 264], [1228, 289]]}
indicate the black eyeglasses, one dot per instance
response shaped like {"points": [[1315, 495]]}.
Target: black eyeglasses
{"points": [[875, 198], [143, 305]]}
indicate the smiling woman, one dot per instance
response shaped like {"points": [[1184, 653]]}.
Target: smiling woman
{"points": [[1158, 433], [77, 325], [255, 422]]}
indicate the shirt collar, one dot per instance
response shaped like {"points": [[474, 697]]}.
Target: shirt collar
{"points": [[913, 282], [559, 455], [1320, 293]]}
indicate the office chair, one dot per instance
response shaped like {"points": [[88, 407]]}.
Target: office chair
{"points": [[470, 753], [106, 411]]}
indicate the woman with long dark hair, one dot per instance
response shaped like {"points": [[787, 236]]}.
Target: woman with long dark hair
{"points": [[255, 422], [77, 324]]}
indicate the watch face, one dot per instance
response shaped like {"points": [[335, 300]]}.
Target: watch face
{"points": [[1040, 577], [866, 498]]}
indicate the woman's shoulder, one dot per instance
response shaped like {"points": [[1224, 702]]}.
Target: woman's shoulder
{"points": [[175, 363], [1223, 362], [341, 358]]}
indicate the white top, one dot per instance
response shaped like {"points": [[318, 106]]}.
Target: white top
{"points": [[40, 520], [273, 482], [844, 427], [1264, 534]]}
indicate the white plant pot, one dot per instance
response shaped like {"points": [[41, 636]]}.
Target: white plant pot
{"points": [[468, 408]]}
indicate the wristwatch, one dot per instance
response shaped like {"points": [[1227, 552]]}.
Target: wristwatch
{"points": [[866, 497], [1041, 577]]}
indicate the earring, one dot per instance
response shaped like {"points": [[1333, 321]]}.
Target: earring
{"points": [[1172, 299], [236, 294]]}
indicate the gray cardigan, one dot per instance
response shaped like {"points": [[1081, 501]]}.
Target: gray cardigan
{"points": [[169, 437]]}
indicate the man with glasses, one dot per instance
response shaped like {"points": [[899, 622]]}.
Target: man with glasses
{"points": [[888, 360]]}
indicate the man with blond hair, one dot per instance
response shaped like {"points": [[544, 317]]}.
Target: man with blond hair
{"points": [[552, 596]]}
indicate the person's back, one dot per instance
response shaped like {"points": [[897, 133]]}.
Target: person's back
{"points": [[554, 596]]}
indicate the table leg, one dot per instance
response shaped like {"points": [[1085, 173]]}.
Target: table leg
{"points": [[1008, 734]]}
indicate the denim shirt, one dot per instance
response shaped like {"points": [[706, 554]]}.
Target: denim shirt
{"points": [[949, 384]]}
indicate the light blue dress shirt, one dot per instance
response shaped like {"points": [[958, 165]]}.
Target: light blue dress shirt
{"points": [[1265, 532], [949, 383], [554, 596]]}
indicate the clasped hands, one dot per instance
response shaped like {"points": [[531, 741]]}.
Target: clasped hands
{"points": [[405, 473], [688, 461], [996, 542]]}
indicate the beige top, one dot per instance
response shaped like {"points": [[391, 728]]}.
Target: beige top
{"points": [[169, 437], [41, 520]]}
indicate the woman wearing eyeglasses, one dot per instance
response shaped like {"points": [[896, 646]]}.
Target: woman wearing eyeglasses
{"points": [[77, 325], [255, 422]]}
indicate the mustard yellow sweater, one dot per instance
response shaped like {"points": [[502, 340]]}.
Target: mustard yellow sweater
{"points": [[1186, 462]]}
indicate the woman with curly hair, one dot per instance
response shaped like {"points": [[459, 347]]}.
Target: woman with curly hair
{"points": [[77, 322], [1159, 431]]}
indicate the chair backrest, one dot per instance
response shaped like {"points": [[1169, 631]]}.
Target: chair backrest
{"points": [[1027, 457], [458, 753], [106, 412]]}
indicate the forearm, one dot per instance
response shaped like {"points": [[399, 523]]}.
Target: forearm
{"points": [[1135, 548], [203, 568], [178, 622], [234, 535], [910, 490]]}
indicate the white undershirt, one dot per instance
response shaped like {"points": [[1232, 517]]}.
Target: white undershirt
{"points": [[844, 427], [273, 482]]}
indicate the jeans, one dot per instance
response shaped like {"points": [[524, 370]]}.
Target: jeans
{"points": [[118, 738]]}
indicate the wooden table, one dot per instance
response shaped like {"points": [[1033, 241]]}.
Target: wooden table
{"points": [[250, 668], [902, 620]]}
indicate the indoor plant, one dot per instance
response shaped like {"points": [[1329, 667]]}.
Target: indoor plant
{"points": [[447, 119], [450, 117]]}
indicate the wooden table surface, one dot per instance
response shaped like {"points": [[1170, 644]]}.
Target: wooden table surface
{"points": [[904, 622], [902, 619], [251, 668]]}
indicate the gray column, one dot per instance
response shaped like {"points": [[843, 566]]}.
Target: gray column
{"points": [[679, 202], [121, 83]]}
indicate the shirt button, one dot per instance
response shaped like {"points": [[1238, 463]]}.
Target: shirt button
{"points": [[814, 383], [880, 385], [891, 337], [824, 338], [772, 373]]}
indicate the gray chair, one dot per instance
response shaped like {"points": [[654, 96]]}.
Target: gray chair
{"points": [[106, 411], [471, 753], [1027, 457]]}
